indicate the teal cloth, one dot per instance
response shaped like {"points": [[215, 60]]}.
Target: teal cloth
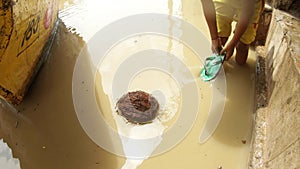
{"points": [[212, 66]]}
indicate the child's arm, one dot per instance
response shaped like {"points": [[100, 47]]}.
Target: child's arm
{"points": [[244, 20], [210, 16]]}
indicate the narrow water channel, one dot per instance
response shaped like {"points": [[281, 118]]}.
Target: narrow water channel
{"points": [[45, 133]]}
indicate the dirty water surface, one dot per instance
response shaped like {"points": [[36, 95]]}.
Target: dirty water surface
{"points": [[45, 133]]}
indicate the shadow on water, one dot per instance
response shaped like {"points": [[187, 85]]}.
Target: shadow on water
{"points": [[44, 132], [237, 117]]}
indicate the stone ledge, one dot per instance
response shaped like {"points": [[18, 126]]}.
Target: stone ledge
{"points": [[256, 160]]}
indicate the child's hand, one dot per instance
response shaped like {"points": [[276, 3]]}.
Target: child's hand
{"points": [[228, 49], [216, 45]]}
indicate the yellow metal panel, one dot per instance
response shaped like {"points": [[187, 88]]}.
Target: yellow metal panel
{"points": [[25, 28]]}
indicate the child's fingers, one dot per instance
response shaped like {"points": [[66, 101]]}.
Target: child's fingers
{"points": [[223, 51], [227, 53], [227, 57]]}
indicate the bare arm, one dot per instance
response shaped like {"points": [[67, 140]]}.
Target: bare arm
{"points": [[210, 16]]}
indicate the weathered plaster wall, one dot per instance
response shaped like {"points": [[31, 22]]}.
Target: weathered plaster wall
{"points": [[277, 132]]}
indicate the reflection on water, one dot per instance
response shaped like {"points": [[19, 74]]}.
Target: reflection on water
{"points": [[170, 6], [89, 16], [6, 157], [43, 131]]}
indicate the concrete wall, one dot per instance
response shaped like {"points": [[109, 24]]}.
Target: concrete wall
{"points": [[276, 143], [282, 148]]}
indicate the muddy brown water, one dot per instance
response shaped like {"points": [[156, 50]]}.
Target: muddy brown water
{"points": [[44, 132]]}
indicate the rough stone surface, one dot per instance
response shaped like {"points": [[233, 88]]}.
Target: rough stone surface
{"points": [[289, 159], [283, 119]]}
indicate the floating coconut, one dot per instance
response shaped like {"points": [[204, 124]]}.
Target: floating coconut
{"points": [[138, 107]]}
